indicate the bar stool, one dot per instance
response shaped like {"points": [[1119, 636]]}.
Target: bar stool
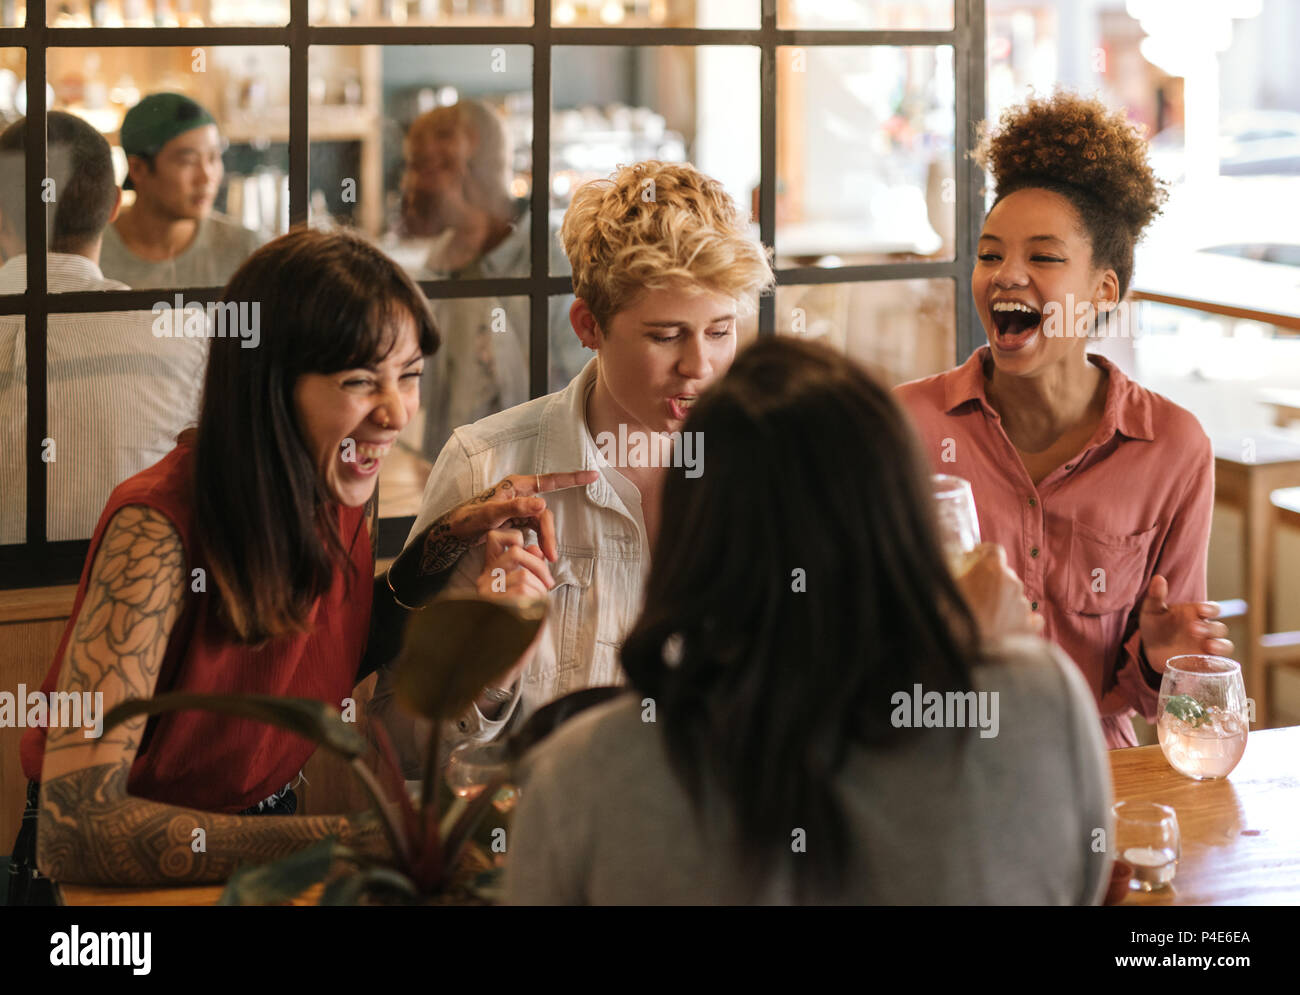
{"points": [[1247, 469]]}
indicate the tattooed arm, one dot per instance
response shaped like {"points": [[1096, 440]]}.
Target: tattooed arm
{"points": [[90, 830]]}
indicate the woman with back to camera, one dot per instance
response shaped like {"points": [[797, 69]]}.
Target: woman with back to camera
{"points": [[1100, 490], [240, 563], [770, 752]]}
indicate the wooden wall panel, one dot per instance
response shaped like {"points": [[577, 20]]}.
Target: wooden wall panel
{"points": [[26, 650]]}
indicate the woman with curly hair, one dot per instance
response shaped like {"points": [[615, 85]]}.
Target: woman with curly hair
{"points": [[1100, 490]]}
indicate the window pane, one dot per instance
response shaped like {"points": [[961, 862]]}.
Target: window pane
{"points": [[13, 170], [865, 160], [13, 430], [165, 13], [119, 394], [205, 156], [697, 105], [655, 13], [480, 368], [903, 329], [457, 13], [867, 15], [426, 150]]}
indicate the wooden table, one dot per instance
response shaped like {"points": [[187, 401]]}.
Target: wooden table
{"points": [[1240, 835], [202, 894]]}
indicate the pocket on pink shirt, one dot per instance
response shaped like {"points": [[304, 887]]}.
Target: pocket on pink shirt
{"points": [[1105, 570]]}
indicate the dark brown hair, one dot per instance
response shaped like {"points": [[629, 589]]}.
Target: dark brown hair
{"points": [[1092, 156], [798, 584], [265, 519], [81, 167]]}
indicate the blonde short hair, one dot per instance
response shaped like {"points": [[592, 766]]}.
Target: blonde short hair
{"points": [[656, 225]]}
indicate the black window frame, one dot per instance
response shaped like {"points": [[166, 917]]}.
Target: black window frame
{"points": [[40, 562]]}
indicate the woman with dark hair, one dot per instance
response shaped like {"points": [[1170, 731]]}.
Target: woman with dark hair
{"points": [[772, 750], [241, 563], [1100, 490]]}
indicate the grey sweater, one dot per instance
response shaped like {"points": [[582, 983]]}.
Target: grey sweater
{"points": [[1021, 817]]}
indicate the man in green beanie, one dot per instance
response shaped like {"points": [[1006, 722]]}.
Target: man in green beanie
{"points": [[170, 236]]}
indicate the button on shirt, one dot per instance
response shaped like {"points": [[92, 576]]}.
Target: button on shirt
{"points": [[1086, 541], [603, 555]]}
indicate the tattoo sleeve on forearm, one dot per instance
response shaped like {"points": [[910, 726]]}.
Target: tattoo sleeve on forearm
{"points": [[92, 832]]}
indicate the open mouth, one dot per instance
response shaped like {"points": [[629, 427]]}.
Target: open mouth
{"points": [[1016, 323], [367, 455], [681, 405]]}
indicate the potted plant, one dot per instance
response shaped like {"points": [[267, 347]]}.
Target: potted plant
{"points": [[452, 648]]}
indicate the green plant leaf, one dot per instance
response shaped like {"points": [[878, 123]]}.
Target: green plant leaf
{"points": [[457, 646], [348, 889], [1187, 708], [283, 879], [315, 720]]}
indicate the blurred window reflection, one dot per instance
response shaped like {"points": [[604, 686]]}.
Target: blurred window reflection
{"points": [[655, 13], [903, 329], [201, 153], [866, 15], [164, 13], [865, 155], [444, 169]]}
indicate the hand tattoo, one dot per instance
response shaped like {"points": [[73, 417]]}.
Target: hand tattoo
{"points": [[442, 549]]}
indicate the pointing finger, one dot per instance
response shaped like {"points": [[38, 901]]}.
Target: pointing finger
{"points": [[541, 483]]}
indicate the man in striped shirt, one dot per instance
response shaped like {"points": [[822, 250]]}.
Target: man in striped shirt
{"points": [[117, 394]]}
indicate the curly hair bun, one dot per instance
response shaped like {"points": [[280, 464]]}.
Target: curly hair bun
{"points": [[1070, 139]]}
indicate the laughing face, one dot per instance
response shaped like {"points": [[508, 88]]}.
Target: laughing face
{"points": [[350, 419], [660, 352], [1033, 255]]}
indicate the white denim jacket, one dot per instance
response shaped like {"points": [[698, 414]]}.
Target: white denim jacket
{"points": [[602, 548]]}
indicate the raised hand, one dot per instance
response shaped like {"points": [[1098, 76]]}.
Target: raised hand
{"points": [[1177, 629], [513, 503]]}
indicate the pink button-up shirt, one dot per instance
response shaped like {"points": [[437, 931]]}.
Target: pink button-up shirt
{"points": [[1136, 501]]}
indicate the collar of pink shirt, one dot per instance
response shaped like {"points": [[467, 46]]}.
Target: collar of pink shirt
{"points": [[1128, 405]]}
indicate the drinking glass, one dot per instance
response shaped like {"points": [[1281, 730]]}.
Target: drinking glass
{"points": [[473, 766], [1203, 715], [959, 525], [1147, 839]]}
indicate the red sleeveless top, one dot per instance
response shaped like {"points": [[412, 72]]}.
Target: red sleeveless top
{"points": [[214, 762]]}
